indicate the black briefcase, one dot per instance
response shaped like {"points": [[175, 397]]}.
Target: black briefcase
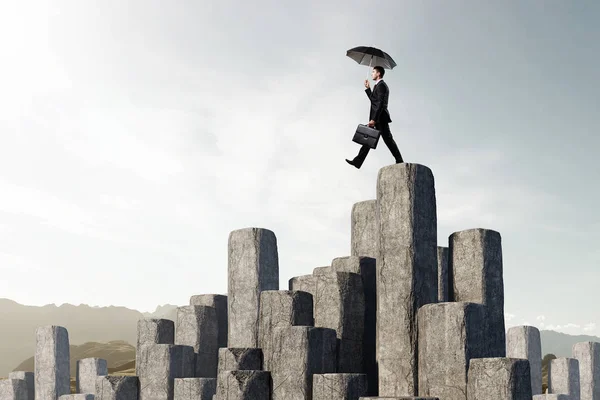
{"points": [[366, 135]]}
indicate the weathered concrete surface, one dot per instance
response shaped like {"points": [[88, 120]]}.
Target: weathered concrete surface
{"points": [[552, 397], [155, 330], [235, 359], [52, 363], [303, 283], [300, 352], [443, 279], [450, 336], [402, 398], [281, 309], [475, 257], [563, 377], [318, 270], [88, 369], [588, 356], [339, 304], [253, 266], [78, 396], [194, 388], [13, 389], [407, 275], [28, 378], [366, 267], [499, 379], [524, 342], [159, 365], [197, 326], [219, 303], [244, 385], [363, 221], [339, 386], [109, 387]]}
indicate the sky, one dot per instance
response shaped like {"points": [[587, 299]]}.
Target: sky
{"points": [[135, 136]]}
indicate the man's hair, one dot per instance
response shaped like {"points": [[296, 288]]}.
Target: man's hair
{"points": [[380, 70]]}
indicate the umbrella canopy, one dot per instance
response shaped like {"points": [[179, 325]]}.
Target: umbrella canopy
{"points": [[371, 56]]}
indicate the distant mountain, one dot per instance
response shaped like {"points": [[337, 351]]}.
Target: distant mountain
{"points": [[561, 344], [84, 324]]}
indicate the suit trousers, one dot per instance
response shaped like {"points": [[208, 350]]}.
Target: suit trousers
{"points": [[387, 137]]}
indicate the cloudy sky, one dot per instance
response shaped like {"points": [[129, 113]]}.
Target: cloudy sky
{"points": [[134, 136]]}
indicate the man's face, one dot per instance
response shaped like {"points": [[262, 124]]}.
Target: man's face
{"points": [[374, 74]]}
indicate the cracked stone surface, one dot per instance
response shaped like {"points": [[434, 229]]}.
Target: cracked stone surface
{"points": [[52, 363], [234, 359], [88, 369], [339, 386], [244, 385], [499, 378], [363, 237], [524, 342], [194, 388], [111, 387], [563, 377], [588, 356], [14, 389], [28, 378], [159, 365], [197, 326], [219, 302]]}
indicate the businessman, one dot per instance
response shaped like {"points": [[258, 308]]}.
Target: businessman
{"points": [[379, 117]]}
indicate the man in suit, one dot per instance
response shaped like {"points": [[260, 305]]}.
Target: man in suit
{"points": [[379, 117]]}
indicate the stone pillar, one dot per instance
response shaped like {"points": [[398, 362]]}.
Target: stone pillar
{"points": [[443, 279], [194, 388], [155, 331], [499, 379], [476, 263], [300, 352], [365, 266], [406, 270], [450, 336], [197, 326], [236, 359], [525, 342], [563, 377], [28, 378], [588, 356], [159, 365], [253, 266], [281, 309], [304, 283], [551, 397], [339, 386], [364, 229], [340, 305], [52, 363], [13, 389], [244, 385], [77, 396], [109, 387], [219, 303], [88, 369]]}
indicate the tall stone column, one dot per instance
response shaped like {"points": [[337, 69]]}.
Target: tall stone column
{"points": [[52, 373], [197, 326], [407, 276], [219, 303], [364, 229], [563, 377], [88, 369], [476, 263], [253, 267], [588, 356], [525, 342]]}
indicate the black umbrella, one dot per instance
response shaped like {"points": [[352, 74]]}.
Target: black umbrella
{"points": [[371, 56]]}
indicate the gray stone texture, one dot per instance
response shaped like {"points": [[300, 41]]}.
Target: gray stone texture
{"points": [[401, 398], [110, 387], [244, 385], [304, 283], [365, 266], [159, 365], [281, 309], [194, 388], [339, 386], [588, 356], [88, 369], [499, 378], [52, 363], [563, 377], [524, 342], [235, 359], [339, 304], [155, 331], [551, 397], [197, 326], [78, 396], [363, 221], [28, 378], [13, 389], [443, 279], [475, 257], [407, 275], [219, 302], [253, 266], [318, 270], [300, 352], [450, 335]]}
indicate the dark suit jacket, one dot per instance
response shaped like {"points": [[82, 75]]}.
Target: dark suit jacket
{"points": [[379, 102]]}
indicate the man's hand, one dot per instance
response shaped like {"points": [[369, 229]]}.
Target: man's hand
{"points": [[367, 85], [371, 123]]}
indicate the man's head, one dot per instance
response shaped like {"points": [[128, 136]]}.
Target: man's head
{"points": [[377, 73]]}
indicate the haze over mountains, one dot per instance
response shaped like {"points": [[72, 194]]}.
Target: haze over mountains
{"points": [[119, 324]]}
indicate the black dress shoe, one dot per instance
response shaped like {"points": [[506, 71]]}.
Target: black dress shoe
{"points": [[352, 163]]}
